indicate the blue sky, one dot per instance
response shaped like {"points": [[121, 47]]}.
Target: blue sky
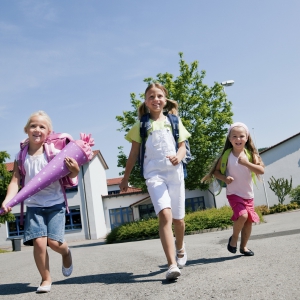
{"points": [[80, 60]]}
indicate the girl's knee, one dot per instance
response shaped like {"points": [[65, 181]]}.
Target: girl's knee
{"points": [[243, 217], [177, 222], [165, 215], [54, 245]]}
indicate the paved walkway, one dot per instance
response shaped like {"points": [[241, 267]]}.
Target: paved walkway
{"points": [[136, 270]]}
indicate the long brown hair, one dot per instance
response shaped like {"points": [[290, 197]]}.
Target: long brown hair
{"points": [[249, 146], [171, 105]]}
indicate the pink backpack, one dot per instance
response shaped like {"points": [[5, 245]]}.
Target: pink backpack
{"points": [[53, 141]]}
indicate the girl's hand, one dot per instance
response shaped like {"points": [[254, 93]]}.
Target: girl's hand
{"points": [[229, 179], [174, 159], [72, 165], [243, 159], [6, 209], [123, 185]]}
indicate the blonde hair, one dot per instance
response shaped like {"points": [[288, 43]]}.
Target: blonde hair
{"points": [[42, 114], [171, 105], [249, 146]]}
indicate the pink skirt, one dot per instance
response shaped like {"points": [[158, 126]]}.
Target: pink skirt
{"points": [[242, 206]]}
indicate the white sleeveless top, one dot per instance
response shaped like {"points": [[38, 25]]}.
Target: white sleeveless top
{"points": [[49, 196], [242, 185]]}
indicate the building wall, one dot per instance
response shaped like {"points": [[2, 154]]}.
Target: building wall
{"points": [[119, 202], [282, 161]]}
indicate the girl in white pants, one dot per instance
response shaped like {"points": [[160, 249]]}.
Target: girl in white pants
{"points": [[163, 172]]}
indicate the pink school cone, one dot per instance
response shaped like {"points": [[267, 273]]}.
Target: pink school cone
{"points": [[80, 150]]}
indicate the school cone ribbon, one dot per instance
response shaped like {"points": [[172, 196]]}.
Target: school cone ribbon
{"points": [[56, 169]]}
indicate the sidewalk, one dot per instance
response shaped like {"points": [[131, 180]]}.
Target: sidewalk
{"points": [[136, 270]]}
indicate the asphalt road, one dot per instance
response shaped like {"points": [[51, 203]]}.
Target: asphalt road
{"points": [[136, 270]]}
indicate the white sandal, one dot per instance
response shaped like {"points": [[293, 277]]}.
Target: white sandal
{"points": [[67, 271], [181, 261], [173, 272]]}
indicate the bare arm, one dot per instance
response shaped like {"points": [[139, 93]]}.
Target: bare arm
{"points": [[12, 188], [176, 159], [133, 155], [255, 167], [217, 173]]}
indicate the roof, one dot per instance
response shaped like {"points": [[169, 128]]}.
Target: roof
{"points": [[130, 191], [269, 148], [114, 181], [140, 201]]}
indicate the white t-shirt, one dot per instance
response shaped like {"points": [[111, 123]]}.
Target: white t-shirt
{"points": [[49, 196], [242, 185]]}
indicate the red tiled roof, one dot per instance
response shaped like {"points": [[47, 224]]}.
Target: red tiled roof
{"points": [[9, 166], [114, 181], [131, 190]]}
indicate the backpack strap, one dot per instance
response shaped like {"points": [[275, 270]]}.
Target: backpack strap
{"points": [[20, 161], [145, 125], [224, 160], [175, 127], [174, 120]]}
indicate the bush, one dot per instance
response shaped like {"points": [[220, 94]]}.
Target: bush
{"points": [[7, 218], [295, 195], [263, 209], [277, 208], [194, 222]]}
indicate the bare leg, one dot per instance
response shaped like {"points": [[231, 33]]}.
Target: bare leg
{"points": [[246, 232], [237, 228], [41, 258], [61, 248], [166, 235], [179, 228]]}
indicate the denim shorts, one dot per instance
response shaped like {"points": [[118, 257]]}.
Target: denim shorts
{"points": [[45, 221]]}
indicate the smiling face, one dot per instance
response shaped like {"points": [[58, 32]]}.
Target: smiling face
{"points": [[238, 137], [155, 100], [37, 129]]}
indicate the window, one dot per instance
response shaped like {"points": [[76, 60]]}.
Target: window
{"points": [[115, 192], [14, 228], [146, 211], [73, 222], [72, 189], [119, 216], [194, 204], [73, 219]]}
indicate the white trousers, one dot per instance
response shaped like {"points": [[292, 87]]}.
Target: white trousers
{"points": [[165, 182]]}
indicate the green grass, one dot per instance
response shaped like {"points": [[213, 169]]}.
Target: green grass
{"points": [[194, 223], [4, 251]]}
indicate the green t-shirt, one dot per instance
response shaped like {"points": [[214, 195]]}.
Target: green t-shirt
{"points": [[134, 133]]}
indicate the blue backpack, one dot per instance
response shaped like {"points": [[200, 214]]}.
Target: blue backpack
{"points": [[145, 125]]}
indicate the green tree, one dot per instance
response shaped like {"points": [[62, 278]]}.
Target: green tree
{"points": [[204, 111], [5, 178], [281, 187], [295, 194]]}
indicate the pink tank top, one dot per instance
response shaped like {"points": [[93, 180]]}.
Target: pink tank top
{"points": [[242, 185]]}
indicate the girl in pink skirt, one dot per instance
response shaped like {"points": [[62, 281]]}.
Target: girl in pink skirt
{"points": [[243, 164]]}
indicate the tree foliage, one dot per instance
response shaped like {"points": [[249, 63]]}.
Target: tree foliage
{"points": [[204, 111], [5, 176], [281, 187], [295, 194]]}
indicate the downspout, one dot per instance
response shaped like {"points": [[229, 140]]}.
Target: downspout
{"points": [[213, 197], [86, 206]]}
